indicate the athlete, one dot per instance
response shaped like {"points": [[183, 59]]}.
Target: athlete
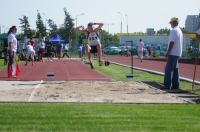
{"points": [[94, 44], [30, 54]]}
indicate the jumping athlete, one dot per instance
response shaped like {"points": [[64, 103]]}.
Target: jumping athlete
{"points": [[94, 44]]}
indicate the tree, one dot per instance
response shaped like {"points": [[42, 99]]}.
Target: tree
{"points": [[41, 29], [25, 26], [107, 39], [53, 27], [67, 30], [163, 31]]}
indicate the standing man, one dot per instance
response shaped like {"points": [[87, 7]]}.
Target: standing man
{"points": [[140, 50], [174, 52]]}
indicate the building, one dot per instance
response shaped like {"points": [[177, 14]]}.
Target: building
{"points": [[191, 23], [154, 40], [150, 31]]}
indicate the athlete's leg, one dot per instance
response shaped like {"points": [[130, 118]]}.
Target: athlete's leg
{"points": [[88, 49], [99, 53]]}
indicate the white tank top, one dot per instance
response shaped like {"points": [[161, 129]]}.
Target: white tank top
{"points": [[93, 38]]}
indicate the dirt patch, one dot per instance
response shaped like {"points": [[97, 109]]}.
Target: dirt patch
{"points": [[89, 91]]}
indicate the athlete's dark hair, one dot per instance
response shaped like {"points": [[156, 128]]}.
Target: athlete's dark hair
{"points": [[90, 24]]}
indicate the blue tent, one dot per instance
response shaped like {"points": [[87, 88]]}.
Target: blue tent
{"points": [[57, 39]]}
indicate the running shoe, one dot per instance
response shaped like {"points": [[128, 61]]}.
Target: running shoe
{"points": [[91, 65]]}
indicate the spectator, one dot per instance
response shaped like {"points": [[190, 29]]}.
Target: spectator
{"points": [[5, 51], [37, 49], [24, 50], [32, 42], [41, 50], [58, 50], [30, 54], [190, 50], [49, 48], [12, 50], [80, 51], [174, 52], [126, 51], [140, 50], [66, 50]]}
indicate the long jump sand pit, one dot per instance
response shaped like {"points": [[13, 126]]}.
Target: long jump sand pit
{"points": [[86, 91]]}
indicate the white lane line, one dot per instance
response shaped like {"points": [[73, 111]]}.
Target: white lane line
{"points": [[34, 91]]}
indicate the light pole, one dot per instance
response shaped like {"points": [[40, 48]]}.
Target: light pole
{"points": [[127, 23], [121, 20], [76, 18], [0, 28], [110, 24], [46, 20], [4, 27]]}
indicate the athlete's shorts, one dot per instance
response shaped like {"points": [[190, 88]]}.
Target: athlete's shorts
{"points": [[93, 49], [94, 42]]}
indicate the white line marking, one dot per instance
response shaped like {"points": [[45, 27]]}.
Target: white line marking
{"points": [[34, 91]]}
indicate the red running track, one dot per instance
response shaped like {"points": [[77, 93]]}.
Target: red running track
{"points": [[186, 70], [68, 70]]}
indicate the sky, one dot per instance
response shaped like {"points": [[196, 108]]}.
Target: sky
{"points": [[141, 14]]}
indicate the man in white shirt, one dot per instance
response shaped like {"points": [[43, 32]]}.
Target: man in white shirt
{"points": [[140, 50], [174, 52]]}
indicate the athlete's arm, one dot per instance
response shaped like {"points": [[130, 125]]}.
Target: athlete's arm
{"points": [[100, 25]]}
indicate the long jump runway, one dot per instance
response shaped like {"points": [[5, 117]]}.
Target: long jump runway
{"points": [[76, 82], [65, 70]]}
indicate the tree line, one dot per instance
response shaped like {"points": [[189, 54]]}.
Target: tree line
{"points": [[65, 30], [48, 28]]}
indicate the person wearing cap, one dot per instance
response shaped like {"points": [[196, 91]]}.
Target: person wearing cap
{"points": [[174, 52]]}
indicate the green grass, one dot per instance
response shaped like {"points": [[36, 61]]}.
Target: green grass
{"points": [[99, 118], [119, 73], [2, 66], [76, 117]]}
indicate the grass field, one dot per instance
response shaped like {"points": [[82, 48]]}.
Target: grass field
{"points": [[99, 118], [119, 73], [2, 66], [76, 117]]}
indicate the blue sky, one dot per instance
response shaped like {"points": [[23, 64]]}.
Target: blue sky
{"points": [[141, 13]]}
